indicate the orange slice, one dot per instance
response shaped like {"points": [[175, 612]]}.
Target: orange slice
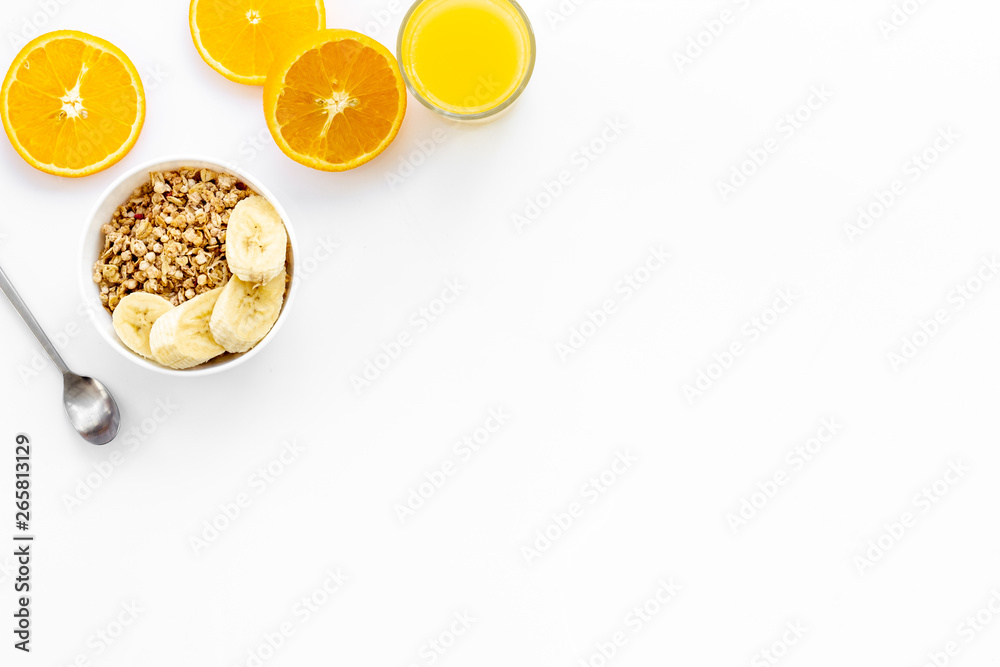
{"points": [[72, 104], [334, 100], [240, 39]]}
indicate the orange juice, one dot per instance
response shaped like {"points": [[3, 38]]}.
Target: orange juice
{"points": [[466, 58]]}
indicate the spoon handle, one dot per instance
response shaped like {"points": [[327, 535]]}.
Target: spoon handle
{"points": [[29, 319]]}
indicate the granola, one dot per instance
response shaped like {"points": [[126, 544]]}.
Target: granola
{"points": [[169, 237]]}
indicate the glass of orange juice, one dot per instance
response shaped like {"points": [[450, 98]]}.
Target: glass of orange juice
{"points": [[466, 59]]}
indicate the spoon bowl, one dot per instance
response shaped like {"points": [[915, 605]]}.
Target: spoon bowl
{"points": [[91, 409], [89, 405]]}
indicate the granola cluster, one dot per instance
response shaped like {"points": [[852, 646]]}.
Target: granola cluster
{"points": [[169, 238]]}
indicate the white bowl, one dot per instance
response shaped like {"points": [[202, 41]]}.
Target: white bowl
{"points": [[93, 243]]}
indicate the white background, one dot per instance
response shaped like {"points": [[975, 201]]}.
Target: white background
{"points": [[124, 537]]}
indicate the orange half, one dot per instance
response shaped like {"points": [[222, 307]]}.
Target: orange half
{"points": [[334, 100], [240, 39], [72, 104]]}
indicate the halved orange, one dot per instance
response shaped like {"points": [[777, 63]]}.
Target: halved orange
{"points": [[334, 100], [240, 39], [72, 104]]}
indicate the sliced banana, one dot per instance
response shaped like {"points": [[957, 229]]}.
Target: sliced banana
{"points": [[255, 241], [245, 312], [181, 338], [134, 317]]}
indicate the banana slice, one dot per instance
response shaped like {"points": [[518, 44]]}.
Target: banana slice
{"points": [[134, 317], [255, 241], [181, 338], [245, 312]]}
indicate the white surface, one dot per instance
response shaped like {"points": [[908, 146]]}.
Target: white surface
{"points": [[495, 346]]}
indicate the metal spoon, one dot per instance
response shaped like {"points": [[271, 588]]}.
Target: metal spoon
{"points": [[90, 406]]}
